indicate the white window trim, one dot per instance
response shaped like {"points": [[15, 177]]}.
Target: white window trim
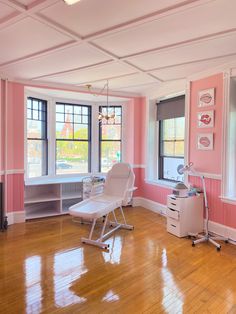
{"points": [[51, 103], [152, 135], [227, 75]]}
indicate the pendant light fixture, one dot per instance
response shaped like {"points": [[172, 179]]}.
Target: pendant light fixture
{"points": [[106, 116]]}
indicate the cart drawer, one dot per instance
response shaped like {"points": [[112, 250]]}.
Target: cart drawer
{"points": [[172, 213]]}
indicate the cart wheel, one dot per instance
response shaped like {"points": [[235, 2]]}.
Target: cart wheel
{"points": [[218, 248]]}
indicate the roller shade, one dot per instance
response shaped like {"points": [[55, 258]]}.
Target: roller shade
{"points": [[171, 108]]}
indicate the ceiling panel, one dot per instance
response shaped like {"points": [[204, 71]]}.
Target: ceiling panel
{"points": [[62, 60], [199, 51], [183, 71], [91, 16], [141, 89], [26, 37], [5, 11], [91, 74], [134, 80], [182, 26]]}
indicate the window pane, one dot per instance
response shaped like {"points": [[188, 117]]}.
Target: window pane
{"points": [[72, 157], [29, 114], [35, 104], [170, 168], [64, 130], [179, 148], [117, 119], [36, 158], [118, 111], [60, 108], [60, 117], [35, 115], [34, 129], [168, 148], [110, 154], [77, 110], [80, 132], [85, 119], [111, 131], [29, 103], [169, 129], [68, 109], [77, 118], [179, 128], [85, 110]]}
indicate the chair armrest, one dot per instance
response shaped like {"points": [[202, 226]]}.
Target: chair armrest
{"points": [[132, 189]]}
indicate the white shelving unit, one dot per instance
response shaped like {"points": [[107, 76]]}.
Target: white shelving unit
{"points": [[51, 197]]}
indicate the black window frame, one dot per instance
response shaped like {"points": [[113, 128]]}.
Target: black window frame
{"points": [[109, 140], [89, 123], [161, 155], [44, 138]]}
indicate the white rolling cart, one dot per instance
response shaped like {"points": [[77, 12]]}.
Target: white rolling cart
{"points": [[184, 215]]}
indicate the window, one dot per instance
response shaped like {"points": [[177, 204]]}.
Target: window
{"points": [[73, 138], [170, 114], [37, 143], [110, 132]]}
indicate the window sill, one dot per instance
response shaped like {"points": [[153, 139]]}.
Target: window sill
{"points": [[161, 183], [228, 200], [63, 178]]}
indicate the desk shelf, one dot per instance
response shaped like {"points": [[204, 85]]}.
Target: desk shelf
{"points": [[51, 198]]}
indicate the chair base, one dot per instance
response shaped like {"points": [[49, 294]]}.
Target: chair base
{"points": [[115, 226], [207, 237]]}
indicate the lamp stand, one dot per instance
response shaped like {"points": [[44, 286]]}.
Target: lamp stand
{"points": [[206, 237]]}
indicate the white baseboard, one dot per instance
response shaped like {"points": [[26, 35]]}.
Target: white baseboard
{"points": [[151, 205], [15, 217], [222, 230], [219, 229]]}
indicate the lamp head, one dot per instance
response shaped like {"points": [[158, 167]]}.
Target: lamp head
{"points": [[186, 168]]}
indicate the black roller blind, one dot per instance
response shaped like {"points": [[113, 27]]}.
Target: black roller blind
{"points": [[171, 108]]}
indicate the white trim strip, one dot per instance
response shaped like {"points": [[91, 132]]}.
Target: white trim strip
{"points": [[139, 166], [214, 176], [12, 171], [228, 200], [161, 183]]}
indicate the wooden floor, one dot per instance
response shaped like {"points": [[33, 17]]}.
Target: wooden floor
{"points": [[45, 269]]}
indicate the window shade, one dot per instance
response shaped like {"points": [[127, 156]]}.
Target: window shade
{"points": [[171, 108]]}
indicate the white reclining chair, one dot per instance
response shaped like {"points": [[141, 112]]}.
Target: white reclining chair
{"points": [[118, 189]]}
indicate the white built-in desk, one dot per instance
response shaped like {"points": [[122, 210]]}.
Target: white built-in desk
{"points": [[51, 196]]}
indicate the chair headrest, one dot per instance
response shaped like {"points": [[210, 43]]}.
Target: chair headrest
{"points": [[120, 170]]}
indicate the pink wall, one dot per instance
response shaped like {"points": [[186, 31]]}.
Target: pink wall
{"points": [[12, 164], [210, 161]]}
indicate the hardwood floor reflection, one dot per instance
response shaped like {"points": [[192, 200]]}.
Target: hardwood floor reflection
{"points": [[45, 269]]}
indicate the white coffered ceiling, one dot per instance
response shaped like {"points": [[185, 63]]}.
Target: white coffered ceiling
{"points": [[135, 44]]}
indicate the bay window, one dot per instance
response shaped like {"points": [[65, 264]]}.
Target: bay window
{"points": [[73, 138], [110, 133], [37, 143]]}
